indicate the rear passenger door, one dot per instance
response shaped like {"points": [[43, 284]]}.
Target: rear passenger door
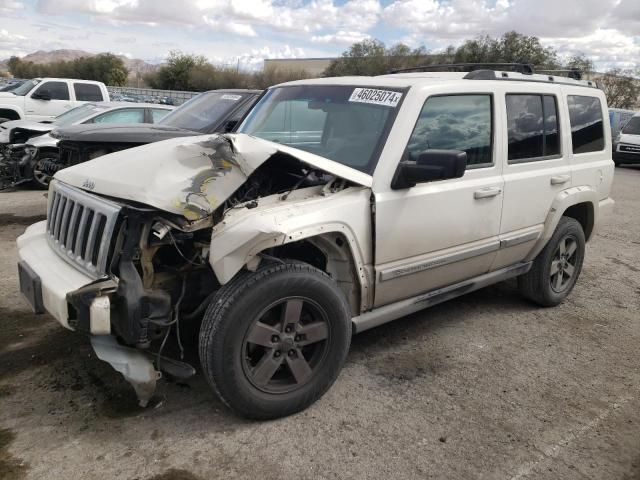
{"points": [[536, 169]]}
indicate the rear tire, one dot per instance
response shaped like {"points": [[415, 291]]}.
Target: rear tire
{"points": [[273, 341], [557, 267]]}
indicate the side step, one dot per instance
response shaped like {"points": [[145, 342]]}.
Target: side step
{"points": [[388, 313]]}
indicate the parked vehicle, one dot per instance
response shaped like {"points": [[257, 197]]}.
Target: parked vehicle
{"points": [[618, 118], [627, 144], [340, 204], [210, 112], [46, 98], [11, 85], [29, 154]]}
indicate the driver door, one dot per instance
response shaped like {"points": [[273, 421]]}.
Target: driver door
{"points": [[60, 101], [442, 232]]}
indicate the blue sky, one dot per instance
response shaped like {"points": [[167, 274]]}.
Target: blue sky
{"points": [[251, 30]]}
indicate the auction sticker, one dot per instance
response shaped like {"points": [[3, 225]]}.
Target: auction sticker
{"points": [[374, 96], [227, 96]]}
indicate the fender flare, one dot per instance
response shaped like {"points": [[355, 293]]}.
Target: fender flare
{"points": [[561, 202], [13, 108]]}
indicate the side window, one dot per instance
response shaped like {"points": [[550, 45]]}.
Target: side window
{"points": [[87, 92], [587, 128], [56, 90], [129, 115], [158, 114], [533, 126], [455, 122]]}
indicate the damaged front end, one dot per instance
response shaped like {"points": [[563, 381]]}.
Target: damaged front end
{"points": [[143, 233]]}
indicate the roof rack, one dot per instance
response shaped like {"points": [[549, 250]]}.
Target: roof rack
{"points": [[516, 77], [524, 68], [574, 73]]}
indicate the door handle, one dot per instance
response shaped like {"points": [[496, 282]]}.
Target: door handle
{"points": [[487, 192], [560, 179]]}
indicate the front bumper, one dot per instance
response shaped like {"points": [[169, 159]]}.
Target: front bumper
{"points": [[57, 277], [625, 157]]}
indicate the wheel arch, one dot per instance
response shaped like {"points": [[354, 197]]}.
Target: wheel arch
{"points": [[332, 248], [580, 203], [11, 113]]}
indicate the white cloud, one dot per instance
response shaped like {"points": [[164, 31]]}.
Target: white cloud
{"points": [[341, 37], [608, 30], [604, 29], [8, 7]]}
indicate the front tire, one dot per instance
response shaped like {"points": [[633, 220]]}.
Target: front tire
{"points": [[273, 341], [557, 267], [41, 178]]}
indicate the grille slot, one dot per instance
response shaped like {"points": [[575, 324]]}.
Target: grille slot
{"points": [[630, 148], [80, 227]]}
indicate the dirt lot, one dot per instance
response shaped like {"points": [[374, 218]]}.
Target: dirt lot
{"points": [[486, 386]]}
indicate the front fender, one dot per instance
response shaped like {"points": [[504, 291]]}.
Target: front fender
{"points": [[237, 240], [562, 201]]}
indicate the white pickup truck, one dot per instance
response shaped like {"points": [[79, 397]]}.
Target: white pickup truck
{"points": [[42, 99], [340, 204]]}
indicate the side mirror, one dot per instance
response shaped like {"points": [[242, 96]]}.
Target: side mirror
{"points": [[42, 95], [430, 165]]}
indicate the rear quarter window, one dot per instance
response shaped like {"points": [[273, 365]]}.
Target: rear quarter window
{"points": [[587, 126], [87, 92]]}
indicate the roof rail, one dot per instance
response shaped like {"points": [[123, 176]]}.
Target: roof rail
{"points": [[541, 78], [524, 68], [574, 73]]}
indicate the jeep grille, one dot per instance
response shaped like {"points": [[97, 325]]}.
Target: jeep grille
{"points": [[80, 227]]}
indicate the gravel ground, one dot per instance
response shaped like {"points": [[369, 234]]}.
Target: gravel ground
{"points": [[487, 386]]}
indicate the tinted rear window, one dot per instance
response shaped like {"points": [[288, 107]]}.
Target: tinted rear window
{"points": [[532, 126], [87, 92], [587, 129]]}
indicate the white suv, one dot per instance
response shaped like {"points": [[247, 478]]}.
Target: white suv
{"points": [[43, 99], [340, 204]]}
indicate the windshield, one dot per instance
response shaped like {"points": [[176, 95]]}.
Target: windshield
{"points": [[76, 114], [632, 127], [203, 112], [25, 88], [344, 124]]}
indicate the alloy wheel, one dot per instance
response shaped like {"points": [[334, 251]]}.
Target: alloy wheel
{"points": [[286, 345]]}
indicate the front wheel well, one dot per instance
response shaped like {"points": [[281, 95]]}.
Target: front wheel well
{"points": [[9, 114], [330, 253], [584, 214]]}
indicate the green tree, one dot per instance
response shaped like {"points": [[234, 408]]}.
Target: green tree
{"points": [[580, 62], [621, 87], [512, 47], [175, 74], [371, 57], [105, 67]]}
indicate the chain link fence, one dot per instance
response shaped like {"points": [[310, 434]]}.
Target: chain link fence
{"points": [[151, 95]]}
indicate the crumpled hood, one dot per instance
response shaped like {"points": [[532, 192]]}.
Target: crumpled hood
{"points": [[189, 176], [6, 127], [628, 138]]}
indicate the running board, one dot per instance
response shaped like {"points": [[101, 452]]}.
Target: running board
{"points": [[388, 313]]}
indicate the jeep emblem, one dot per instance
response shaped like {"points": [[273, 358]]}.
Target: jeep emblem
{"points": [[88, 184]]}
